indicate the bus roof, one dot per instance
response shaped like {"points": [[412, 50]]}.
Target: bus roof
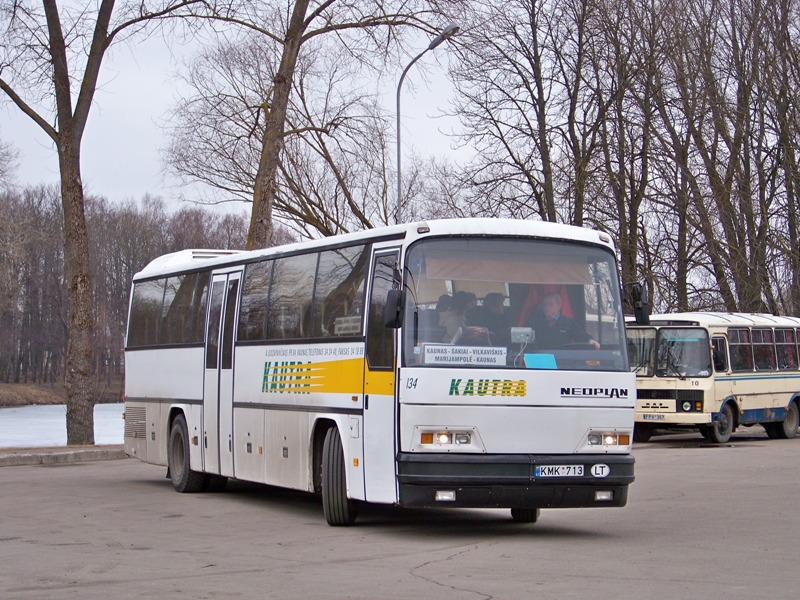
{"points": [[188, 260], [719, 319]]}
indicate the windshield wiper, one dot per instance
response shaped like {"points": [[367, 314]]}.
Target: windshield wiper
{"points": [[672, 366]]}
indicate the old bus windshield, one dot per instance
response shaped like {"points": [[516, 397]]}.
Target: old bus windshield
{"points": [[510, 303], [679, 352], [641, 350]]}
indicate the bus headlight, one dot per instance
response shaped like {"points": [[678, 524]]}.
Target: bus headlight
{"points": [[463, 439], [614, 441], [446, 439]]}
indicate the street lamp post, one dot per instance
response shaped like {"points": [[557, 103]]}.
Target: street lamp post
{"points": [[445, 35]]}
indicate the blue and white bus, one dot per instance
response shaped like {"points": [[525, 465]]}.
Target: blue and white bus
{"points": [[716, 372]]}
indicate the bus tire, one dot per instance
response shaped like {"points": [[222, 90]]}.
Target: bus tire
{"points": [[772, 429], [525, 515], [642, 433], [720, 430], [214, 483], [338, 508], [787, 430], [184, 480]]}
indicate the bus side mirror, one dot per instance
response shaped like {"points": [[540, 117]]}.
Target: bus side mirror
{"points": [[393, 309], [641, 307]]}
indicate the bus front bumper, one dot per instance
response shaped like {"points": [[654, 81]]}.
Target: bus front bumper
{"points": [[514, 480]]}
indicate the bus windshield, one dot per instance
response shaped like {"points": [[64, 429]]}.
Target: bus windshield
{"points": [[512, 303], [679, 352], [641, 346]]}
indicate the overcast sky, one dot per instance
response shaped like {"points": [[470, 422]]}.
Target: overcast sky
{"points": [[121, 152]]}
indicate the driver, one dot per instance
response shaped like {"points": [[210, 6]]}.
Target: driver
{"points": [[554, 329]]}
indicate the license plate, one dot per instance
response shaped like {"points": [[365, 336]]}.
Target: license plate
{"points": [[649, 417], [559, 471]]}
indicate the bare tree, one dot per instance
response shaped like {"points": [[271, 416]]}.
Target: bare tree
{"points": [[782, 77], [334, 174], [33, 311], [624, 72], [505, 87], [8, 157], [50, 62], [365, 29]]}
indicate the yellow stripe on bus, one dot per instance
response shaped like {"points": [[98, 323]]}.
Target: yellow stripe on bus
{"points": [[333, 377]]}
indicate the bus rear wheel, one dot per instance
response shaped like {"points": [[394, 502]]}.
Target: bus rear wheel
{"points": [[525, 515], [788, 429], [184, 480], [720, 430], [338, 508]]}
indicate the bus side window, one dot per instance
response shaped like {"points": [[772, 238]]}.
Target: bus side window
{"points": [[148, 297], [787, 349], [380, 339], [741, 350], [764, 350], [719, 352]]}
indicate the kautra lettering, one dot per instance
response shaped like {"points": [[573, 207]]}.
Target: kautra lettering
{"points": [[487, 387], [286, 376]]}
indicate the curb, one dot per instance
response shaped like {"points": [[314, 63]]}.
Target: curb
{"points": [[16, 457]]}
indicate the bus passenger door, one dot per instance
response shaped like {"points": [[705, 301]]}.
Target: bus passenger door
{"points": [[380, 408], [218, 380]]}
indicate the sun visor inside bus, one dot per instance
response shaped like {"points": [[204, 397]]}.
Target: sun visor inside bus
{"points": [[540, 361]]}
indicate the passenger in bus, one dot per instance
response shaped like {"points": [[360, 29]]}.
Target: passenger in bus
{"points": [[456, 316], [443, 306], [492, 316], [554, 329]]}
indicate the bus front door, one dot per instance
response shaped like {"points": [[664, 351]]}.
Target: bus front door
{"points": [[218, 380], [380, 408]]}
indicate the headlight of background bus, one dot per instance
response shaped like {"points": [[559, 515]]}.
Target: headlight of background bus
{"points": [[611, 440], [691, 406], [446, 439]]}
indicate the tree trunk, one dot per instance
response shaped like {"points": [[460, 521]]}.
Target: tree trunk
{"points": [[260, 232], [78, 379], [79, 386]]}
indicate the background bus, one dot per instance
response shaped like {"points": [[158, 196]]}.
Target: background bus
{"points": [[277, 366], [716, 371]]}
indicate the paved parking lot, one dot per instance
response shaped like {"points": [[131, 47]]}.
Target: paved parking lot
{"points": [[702, 522]]}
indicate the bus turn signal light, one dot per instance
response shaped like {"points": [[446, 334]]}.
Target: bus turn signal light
{"points": [[609, 439]]}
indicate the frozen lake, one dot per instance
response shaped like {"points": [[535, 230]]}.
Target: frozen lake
{"points": [[46, 425]]}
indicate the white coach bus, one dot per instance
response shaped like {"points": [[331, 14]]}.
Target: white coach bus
{"points": [[715, 372], [324, 366]]}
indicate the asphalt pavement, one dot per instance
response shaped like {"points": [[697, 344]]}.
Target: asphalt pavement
{"points": [[717, 522]]}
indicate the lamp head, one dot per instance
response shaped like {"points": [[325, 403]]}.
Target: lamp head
{"points": [[445, 35]]}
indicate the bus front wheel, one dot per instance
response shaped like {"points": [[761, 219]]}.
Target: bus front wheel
{"points": [[642, 433], [525, 515], [184, 480], [338, 508], [720, 430]]}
